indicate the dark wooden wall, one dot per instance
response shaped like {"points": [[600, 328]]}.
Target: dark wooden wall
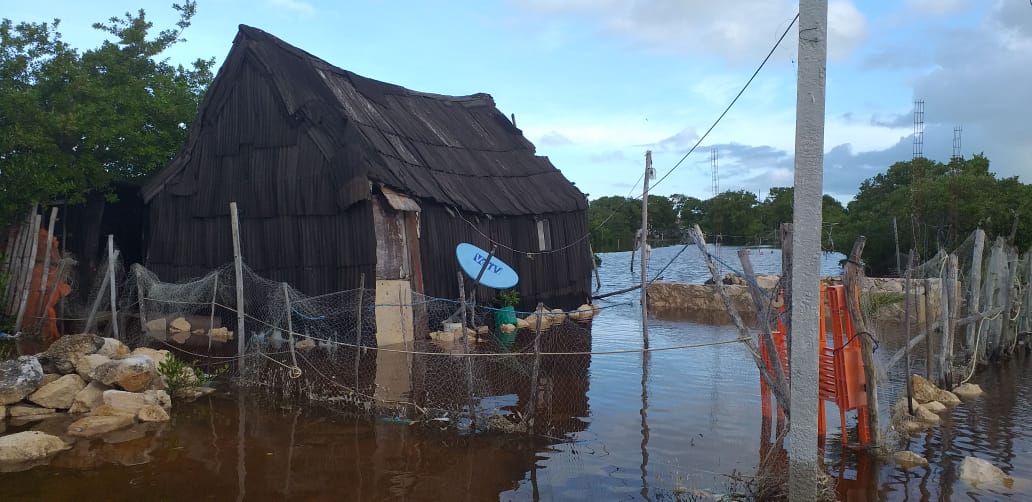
{"points": [[559, 279]]}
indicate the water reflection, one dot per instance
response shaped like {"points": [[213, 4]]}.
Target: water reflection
{"points": [[623, 426]]}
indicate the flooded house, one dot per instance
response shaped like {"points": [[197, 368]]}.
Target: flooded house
{"points": [[338, 176]]}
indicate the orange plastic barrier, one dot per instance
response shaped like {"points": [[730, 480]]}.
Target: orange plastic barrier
{"points": [[841, 367], [35, 305]]}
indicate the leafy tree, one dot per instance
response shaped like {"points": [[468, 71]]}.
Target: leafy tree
{"points": [[75, 123], [733, 218], [936, 206]]}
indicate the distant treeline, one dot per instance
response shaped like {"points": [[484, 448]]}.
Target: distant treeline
{"points": [[935, 205]]}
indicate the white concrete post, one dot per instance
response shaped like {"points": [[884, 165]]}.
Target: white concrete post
{"points": [[806, 247]]}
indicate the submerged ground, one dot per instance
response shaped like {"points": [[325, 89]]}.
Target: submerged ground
{"points": [[696, 424]]}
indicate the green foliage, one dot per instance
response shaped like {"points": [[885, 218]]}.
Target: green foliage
{"points": [[874, 302], [73, 122], [179, 375], [936, 206], [509, 298]]}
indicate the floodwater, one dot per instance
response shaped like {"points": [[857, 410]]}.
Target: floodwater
{"points": [[680, 434]]}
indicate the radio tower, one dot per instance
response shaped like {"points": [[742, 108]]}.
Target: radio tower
{"points": [[957, 131], [918, 128], [713, 169]]}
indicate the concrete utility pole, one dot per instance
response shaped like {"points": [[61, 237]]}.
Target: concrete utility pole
{"points": [[806, 246]]}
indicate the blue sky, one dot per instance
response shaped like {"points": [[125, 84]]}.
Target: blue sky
{"points": [[595, 83]]}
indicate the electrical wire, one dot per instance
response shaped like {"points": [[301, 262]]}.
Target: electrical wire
{"points": [[732, 103]]}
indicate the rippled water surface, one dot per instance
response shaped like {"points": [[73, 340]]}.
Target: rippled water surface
{"points": [[695, 420]]}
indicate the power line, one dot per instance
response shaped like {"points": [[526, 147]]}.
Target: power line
{"points": [[733, 101]]}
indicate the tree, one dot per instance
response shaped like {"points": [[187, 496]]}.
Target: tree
{"points": [[733, 217], [936, 206], [75, 123]]}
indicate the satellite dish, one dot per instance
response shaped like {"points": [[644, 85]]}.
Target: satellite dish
{"points": [[497, 275]]}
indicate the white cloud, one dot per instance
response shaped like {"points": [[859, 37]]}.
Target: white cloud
{"points": [[296, 6], [743, 33], [937, 7]]}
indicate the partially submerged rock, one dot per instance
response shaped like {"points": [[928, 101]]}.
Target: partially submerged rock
{"points": [[92, 426], [29, 410], [29, 446], [152, 413], [935, 406], [981, 473], [60, 393], [924, 392], [968, 391], [908, 459], [88, 398], [131, 402], [19, 378]]}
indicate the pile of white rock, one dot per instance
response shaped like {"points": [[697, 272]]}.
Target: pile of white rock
{"points": [[98, 380]]}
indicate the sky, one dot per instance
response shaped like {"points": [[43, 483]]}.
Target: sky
{"points": [[595, 83]]}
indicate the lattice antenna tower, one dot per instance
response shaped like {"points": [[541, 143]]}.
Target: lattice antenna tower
{"points": [[957, 132], [919, 128], [715, 172]]}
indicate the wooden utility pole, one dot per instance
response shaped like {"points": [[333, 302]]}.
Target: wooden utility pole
{"points": [[806, 246], [643, 246]]}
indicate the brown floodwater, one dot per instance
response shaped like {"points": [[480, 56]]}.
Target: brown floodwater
{"points": [[688, 430]]}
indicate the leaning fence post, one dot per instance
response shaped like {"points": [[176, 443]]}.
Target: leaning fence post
{"points": [[358, 326], [974, 291], [851, 280], [906, 320], [929, 339], [238, 268], [465, 348], [96, 302], [113, 291], [534, 374], [211, 318], [46, 264]]}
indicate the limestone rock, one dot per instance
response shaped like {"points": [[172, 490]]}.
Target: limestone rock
{"points": [[134, 373], [131, 402], [179, 329], [152, 413], [916, 426], [522, 324], [88, 364], [968, 391], [29, 446], [908, 459], [114, 349], [935, 406], [220, 334], [106, 410], [60, 393], [92, 426], [3, 412], [67, 350], [483, 330], [88, 398], [305, 344], [19, 378], [157, 329], [158, 356], [923, 390], [947, 398], [977, 472], [191, 393], [583, 313], [48, 378], [29, 410], [925, 415]]}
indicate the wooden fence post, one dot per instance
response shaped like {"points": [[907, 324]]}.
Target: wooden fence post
{"points": [[906, 319], [469, 361], [238, 268], [358, 326], [974, 291], [42, 307], [535, 371], [851, 280], [290, 324], [112, 286], [211, 318]]}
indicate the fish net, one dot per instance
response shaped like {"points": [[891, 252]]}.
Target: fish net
{"points": [[385, 351]]}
